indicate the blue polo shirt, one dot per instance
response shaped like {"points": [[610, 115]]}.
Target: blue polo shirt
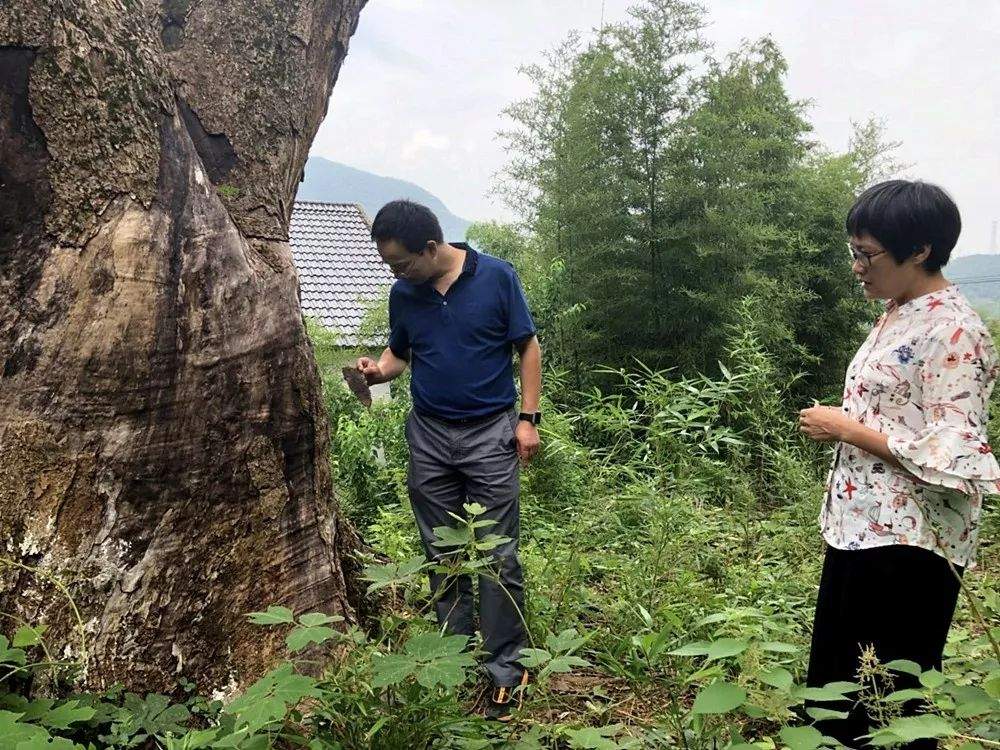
{"points": [[460, 344]]}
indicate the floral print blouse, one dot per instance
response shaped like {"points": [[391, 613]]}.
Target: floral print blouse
{"points": [[922, 378]]}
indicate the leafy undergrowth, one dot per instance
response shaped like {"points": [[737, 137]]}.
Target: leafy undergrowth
{"points": [[671, 555]]}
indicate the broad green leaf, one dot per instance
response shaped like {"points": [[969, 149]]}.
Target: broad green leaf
{"points": [[992, 685], [70, 712], [719, 698], [819, 714], [491, 541], [312, 619], [301, 637], [447, 536], [932, 679], [49, 743], [910, 728], [13, 731], [568, 640], [534, 657], [595, 738], [565, 663], [698, 648], [28, 636], [905, 666], [392, 669], [474, 509], [11, 655], [801, 738], [778, 677], [972, 701], [899, 696], [273, 616], [726, 647], [382, 576], [431, 645], [447, 671], [779, 647], [817, 694]]}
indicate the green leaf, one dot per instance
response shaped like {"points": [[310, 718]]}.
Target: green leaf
{"points": [[13, 731], [50, 743], [565, 663], [905, 666], [595, 738], [899, 696], [268, 699], [491, 541], [448, 536], [65, 714], [431, 645], [312, 619], [719, 698], [698, 648], [910, 728], [534, 657], [392, 669], [726, 647], [400, 574], [992, 685], [801, 738], [301, 637], [932, 679], [474, 509], [818, 694], [778, 677], [11, 655], [779, 647], [568, 640], [447, 671], [273, 616], [819, 714], [972, 701], [28, 636]]}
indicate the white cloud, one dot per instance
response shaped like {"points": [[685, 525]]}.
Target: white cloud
{"points": [[421, 141]]}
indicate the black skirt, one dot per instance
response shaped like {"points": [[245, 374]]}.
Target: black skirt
{"points": [[897, 599]]}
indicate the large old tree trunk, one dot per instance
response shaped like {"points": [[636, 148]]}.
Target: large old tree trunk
{"points": [[162, 435]]}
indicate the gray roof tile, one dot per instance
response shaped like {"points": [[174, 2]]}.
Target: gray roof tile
{"points": [[339, 267]]}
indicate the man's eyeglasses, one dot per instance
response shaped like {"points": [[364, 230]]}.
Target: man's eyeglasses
{"points": [[860, 256], [403, 267]]}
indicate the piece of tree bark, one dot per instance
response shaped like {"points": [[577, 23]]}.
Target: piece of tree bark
{"points": [[162, 434], [358, 385]]}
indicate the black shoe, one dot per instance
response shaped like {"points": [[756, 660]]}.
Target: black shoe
{"points": [[505, 699]]}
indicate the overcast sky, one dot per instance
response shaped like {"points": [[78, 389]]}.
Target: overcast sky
{"points": [[421, 92]]}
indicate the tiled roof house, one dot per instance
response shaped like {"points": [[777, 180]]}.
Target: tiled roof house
{"points": [[338, 265]]}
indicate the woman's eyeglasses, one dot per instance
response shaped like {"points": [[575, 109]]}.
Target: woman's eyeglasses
{"points": [[860, 256]]}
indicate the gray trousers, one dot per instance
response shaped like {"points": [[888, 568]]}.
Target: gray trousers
{"points": [[476, 463]]}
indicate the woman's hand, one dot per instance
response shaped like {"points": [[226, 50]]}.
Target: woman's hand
{"points": [[825, 423]]}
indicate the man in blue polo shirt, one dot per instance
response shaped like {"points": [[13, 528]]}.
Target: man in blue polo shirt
{"points": [[456, 316]]}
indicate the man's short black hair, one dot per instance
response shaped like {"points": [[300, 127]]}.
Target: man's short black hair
{"points": [[904, 216], [409, 223]]}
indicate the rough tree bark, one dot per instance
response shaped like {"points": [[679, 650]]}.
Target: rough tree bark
{"points": [[162, 434]]}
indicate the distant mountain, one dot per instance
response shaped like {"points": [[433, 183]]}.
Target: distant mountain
{"points": [[332, 182], [979, 278]]}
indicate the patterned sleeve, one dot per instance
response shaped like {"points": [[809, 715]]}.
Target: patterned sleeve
{"points": [[957, 373]]}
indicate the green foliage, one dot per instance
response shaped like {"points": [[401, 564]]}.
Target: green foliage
{"points": [[653, 199]]}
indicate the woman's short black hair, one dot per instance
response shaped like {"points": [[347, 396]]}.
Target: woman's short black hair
{"points": [[904, 216], [409, 223]]}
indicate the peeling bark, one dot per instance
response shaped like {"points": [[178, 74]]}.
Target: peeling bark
{"points": [[162, 436]]}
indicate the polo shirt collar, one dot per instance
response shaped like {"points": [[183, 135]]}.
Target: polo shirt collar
{"points": [[471, 258]]}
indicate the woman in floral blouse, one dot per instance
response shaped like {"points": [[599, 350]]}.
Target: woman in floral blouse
{"points": [[902, 506]]}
